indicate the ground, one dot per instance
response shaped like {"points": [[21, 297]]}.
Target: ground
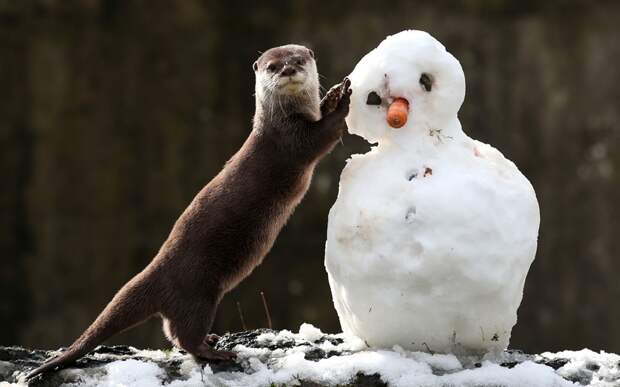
{"points": [[311, 358]]}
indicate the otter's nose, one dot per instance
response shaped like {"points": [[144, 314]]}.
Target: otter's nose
{"points": [[288, 71]]}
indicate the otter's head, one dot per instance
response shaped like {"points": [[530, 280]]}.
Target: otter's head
{"points": [[287, 80]]}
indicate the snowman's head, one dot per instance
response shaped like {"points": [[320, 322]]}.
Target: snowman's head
{"points": [[410, 65]]}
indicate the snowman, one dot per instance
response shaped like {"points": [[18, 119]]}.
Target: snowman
{"points": [[433, 233]]}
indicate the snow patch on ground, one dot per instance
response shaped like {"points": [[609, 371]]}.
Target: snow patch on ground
{"points": [[287, 358], [588, 367]]}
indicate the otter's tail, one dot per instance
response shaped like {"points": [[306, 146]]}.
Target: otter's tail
{"points": [[128, 308]]}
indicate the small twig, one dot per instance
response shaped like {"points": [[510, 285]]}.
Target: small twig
{"points": [[241, 316], [269, 325], [428, 349]]}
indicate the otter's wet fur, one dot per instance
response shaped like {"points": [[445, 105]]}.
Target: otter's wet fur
{"points": [[232, 223]]}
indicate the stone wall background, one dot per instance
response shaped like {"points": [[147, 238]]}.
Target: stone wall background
{"points": [[114, 113]]}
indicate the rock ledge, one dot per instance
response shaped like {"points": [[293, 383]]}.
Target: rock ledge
{"points": [[312, 358]]}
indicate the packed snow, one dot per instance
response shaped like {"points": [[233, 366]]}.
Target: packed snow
{"points": [[588, 367], [433, 233], [285, 358]]}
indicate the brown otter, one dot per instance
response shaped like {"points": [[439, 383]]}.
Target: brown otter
{"points": [[234, 220]]}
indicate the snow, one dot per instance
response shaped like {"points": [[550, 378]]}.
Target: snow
{"points": [[396, 367], [131, 373], [310, 332], [283, 335], [433, 233], [601, 368]]}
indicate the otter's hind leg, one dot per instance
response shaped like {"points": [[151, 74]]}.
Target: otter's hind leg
{"points": [[189, 330]]}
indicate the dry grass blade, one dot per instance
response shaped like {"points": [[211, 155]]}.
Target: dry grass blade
{"points": [[269, 325], [241, 316]]}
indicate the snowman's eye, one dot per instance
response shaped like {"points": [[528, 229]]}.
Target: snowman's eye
{"points": [[373, 99], [426, 81]]}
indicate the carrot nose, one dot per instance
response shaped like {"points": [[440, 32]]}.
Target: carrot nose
{"points": [[397, 113]]}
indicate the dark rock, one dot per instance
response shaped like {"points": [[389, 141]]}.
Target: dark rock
{"points": [[509, 364], [553, 363], [315, 354], [583, 377], [373, 380], [593, 366], [115, 350], [248, 339]]}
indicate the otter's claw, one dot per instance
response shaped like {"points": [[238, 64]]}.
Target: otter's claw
{"points": [[346, 85]]}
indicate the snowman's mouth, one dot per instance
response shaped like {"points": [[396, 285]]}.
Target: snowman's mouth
{"points": [[397, 113]]}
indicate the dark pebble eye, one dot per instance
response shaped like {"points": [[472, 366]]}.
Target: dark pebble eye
{"points": [[271, 67], [299, 62], [373, 99], [426, 82]]}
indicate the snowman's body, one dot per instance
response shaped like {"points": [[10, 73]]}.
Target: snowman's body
{"points": [[433, 233]]}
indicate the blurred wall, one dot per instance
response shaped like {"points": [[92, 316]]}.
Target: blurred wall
{"points": [[115, 113]]}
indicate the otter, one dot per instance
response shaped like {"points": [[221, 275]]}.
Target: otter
{"points": [[232, 223]]}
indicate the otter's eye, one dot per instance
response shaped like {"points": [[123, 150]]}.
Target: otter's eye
{"points": [[271, 67], [299, 62], [426, 82], [373, 99]]}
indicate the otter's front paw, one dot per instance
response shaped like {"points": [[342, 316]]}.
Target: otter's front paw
{"points": [[330, 101], [333, 97], [334, 121], [345, 98]]}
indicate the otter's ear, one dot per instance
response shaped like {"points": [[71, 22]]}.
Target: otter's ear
{"points": [[255, 66], [311, 53]]}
